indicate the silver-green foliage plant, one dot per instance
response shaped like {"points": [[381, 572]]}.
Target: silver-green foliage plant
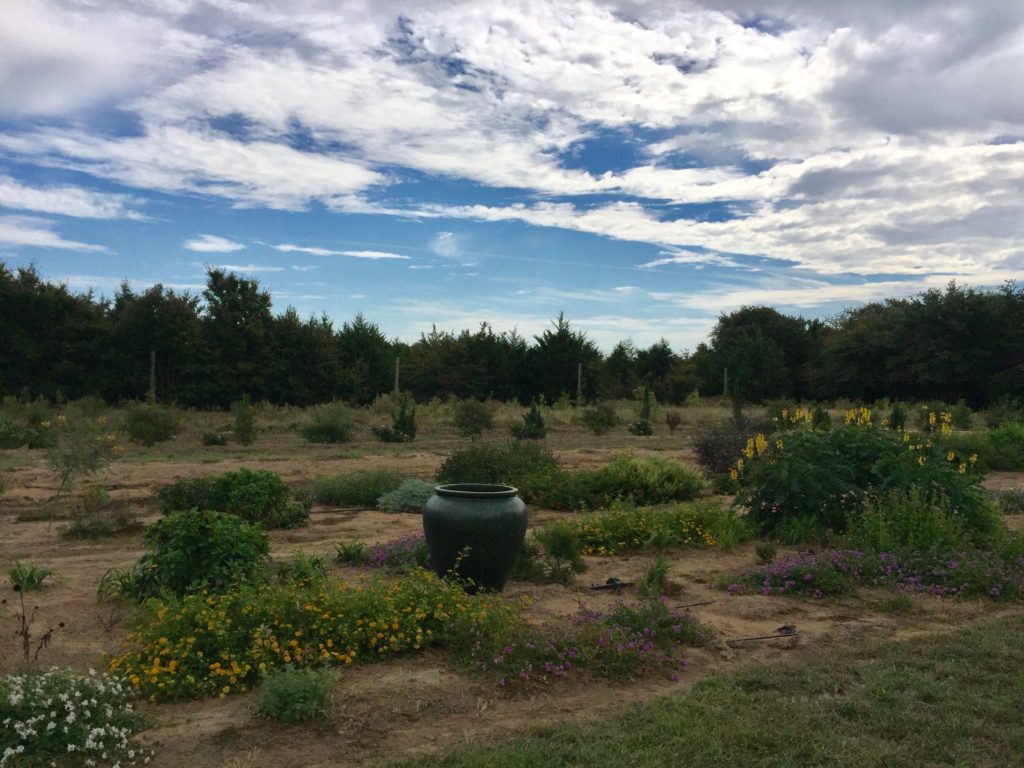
{"points": [[410, 496], [60, 718], [294, 695], [81, 448]]}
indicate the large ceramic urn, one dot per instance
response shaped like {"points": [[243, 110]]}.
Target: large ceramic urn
{"points": [[475, 530]]}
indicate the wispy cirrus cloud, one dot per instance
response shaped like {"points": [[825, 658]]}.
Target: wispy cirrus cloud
{"points": [[34, 232], [67, 201], [249, 268], [317, 251]]}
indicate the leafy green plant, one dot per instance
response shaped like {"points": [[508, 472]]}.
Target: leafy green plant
{"points": [[510, 463], [642, 426], [356, 489], [820, 418], [198, 550], [562, 551], [1007, 446], [295, 695], [353, 553], [1011, 502], [766, 551], [28, 576], [403, 425], [243, 419], [910, 519], [600, 418], [258, 496], [898, 416], [332, 423], [92, 715], [301, 569], [626, 527], [962, 415], [12, 435], [148, 424], [654, 583], [81, 448], [410, 496], [472, 417], [673, 420], [533, 426], [214, 438], [99, 518], [717, 446]]}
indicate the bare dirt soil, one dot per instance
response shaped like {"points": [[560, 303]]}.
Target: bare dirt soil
{"points": [[427, 702]]}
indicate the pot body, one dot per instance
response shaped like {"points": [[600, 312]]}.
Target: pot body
{"points": [[488, 519]]}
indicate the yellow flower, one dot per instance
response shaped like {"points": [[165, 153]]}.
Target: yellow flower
{"points": [[950, 456]]}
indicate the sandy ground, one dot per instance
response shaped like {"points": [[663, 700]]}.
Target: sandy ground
{"points": [[421, 703]]}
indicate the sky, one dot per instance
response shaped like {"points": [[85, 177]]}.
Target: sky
{"points": [[642, 167]]}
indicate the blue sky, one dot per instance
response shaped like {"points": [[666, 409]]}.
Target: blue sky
{"points": [[642, 167]]}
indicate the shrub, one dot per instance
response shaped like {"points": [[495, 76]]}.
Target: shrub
{"points": [[92, 716], [243, 417], [301, 569], [673, 420], [397, 555], [295, 695], [822, 477], [600, 419], [642, 426], [910, 519], [28, 576], [257, 496], [12, 435], [471, 417], [82, 447], [898, 416], [766, 552], [410, 496], [214, 438], [332, 423], [148, 424], [98, 519], [198, 550], [1006, 409], [962, 415], [1011, 502], [403, 425], [533, 426], [625, 527], [562, 552], [654, 583], [718, 446], [356, 489], [511, 463], [353, 553], [1007, 446], [820, 418]]}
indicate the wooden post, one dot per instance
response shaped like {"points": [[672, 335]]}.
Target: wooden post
{"points": [[396, 376], [579, 384], [725, 383], [152, 376]]}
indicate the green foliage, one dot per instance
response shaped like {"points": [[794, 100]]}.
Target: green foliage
{"points": [[765, 551], [295, 695], [98, 518], [410, 496], [1007, 446], [533, 426], [403, 425], [673, 420], [148, 424], [471, 417], [717, 446], [356, 489], [962, 415], [642, 426], [626, 527], [243, 419], [329, 424], [600, 418], [28, 576], [1011, 502], [353, 553], [198, 550], [81, 448], [898, 416], [1004, 409], [907, 519], [214, 438], [562, 552], [257, 496], [301, 569], [820, 418], [654, 583], [510, 463], [821, 478], [12, 434], [92, 715]]}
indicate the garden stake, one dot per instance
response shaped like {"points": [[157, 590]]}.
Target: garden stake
{"points": [[694, 605]]}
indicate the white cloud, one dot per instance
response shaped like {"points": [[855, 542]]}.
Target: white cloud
{"points": [[248, 268], [212, 244], [29, 231], [66, 201], [316, 251], [693, 258]]}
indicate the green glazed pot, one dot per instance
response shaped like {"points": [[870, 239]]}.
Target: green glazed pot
{"points": [[488, 519]]}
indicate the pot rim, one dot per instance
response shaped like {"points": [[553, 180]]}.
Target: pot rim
{"points": [[475, 491]]}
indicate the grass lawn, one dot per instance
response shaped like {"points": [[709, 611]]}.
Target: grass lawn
{"points": [[952, 699]]}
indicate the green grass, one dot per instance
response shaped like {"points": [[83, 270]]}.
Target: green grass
{"points": [[946, 700]]}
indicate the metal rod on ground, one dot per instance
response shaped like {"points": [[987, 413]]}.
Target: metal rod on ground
{"points": [[694, 605]]}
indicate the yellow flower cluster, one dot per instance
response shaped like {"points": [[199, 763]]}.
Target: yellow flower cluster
{"points": [[625, 528], [798, 415], [211, 645], [860, 416]]}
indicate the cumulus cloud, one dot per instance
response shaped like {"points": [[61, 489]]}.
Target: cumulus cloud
{"points": [[212, 244]]}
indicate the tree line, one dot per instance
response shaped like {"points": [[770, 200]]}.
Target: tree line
{"points": [[212, 348]]}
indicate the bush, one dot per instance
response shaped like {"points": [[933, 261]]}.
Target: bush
{"points": [[600, 419], [626, 527], [907, 520], [328, 424], [198, 550], [642, 426], [962, 415], [403, 425], [510, 464], [533, 426], [214, 438], [654, 583], [12, 435], [92, 716], [673, 420], [397, 555], [718, 446], [257, 496], [98, 518], [471, 417], [562, 551], [356, 489], [1007, 446], [821, 478], [301, 569], [1006, 409], [148, 424], [1011, 502], [243, 417], [28, 576], [410, 496], [295, 695], [82, 447]]}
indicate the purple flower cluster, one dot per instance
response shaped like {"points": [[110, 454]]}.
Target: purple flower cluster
{"points": [[407, 552], [827, 572]]}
